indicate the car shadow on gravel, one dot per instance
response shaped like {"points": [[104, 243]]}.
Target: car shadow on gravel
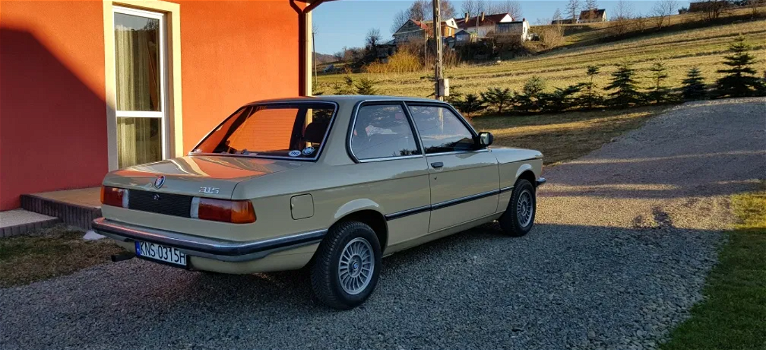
{"points": [[560, 286]]}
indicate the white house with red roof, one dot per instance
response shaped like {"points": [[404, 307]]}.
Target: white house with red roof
{"points": [[482, 24]]}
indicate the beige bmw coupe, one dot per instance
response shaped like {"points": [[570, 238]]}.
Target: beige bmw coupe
{"points": [[332, 183]]}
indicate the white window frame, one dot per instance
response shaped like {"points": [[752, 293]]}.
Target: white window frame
{"points": [[163, 113]]}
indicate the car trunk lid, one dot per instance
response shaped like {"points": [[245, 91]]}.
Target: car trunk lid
{"points": [[202, 176]]}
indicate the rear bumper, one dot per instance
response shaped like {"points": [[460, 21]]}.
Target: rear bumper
{"points": [[540, 181], [229, 251]]}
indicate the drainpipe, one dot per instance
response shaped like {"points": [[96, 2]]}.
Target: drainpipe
{"points": [[304, 48]]}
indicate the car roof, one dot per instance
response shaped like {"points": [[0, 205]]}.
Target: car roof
{"points": [[345, 99]]}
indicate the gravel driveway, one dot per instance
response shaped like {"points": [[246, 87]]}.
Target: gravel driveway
{"points": [[624, 240]]}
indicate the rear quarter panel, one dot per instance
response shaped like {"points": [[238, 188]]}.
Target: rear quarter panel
{"points": [[339, 190]]}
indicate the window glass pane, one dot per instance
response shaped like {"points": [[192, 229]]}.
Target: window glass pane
{"points": [[137, 60], [294, 131], [441, 130], [138, 141], [382, 131]]}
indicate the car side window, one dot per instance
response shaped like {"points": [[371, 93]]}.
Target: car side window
{"points": [[382, 131], [441, 130]]}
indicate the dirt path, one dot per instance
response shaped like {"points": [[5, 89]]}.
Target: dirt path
{"points": [[676, 171]]}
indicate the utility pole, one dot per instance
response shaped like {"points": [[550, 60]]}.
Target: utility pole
{"points": [[439, 88]]}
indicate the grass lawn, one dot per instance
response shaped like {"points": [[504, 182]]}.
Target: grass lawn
{"points": [[567, 135], [733, 315], [703, 47], [54, 252]]}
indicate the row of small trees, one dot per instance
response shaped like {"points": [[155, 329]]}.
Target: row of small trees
{"points": [[739, 80]]}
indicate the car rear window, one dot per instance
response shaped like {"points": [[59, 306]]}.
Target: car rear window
{"points": [[272, 130]]}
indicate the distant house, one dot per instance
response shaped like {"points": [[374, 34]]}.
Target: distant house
{"points": [[705, 6], [592, 15], [414, 30], [463, 37], [515, 29], [448, 27], [482, 24], [410, 31], [563, 21]]}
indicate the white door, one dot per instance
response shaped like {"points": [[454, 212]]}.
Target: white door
{"points": [[141, 108]]}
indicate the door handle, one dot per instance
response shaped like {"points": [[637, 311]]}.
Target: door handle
{"points": [[437, 165]]}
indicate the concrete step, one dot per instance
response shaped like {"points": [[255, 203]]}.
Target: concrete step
{"points": [[19, 221], [73, 207]]}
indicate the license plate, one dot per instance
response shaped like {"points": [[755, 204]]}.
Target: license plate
{"points": [[160, 253]]}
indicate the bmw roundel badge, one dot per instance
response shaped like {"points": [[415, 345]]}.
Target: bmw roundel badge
{"points": [[159, 181]]}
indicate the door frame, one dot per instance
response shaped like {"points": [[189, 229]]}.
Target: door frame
{"points": [[172, 129]]}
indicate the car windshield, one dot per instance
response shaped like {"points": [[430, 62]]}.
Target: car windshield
{"points": [[271, 130]]}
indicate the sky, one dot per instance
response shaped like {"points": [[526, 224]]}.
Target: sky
{"points": [[346, 22]]}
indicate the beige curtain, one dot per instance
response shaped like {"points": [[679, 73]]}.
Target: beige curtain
{"points": [[138, 141], [136, 58]]}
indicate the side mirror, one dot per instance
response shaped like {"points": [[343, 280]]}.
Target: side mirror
{"points": [[485, 139]]}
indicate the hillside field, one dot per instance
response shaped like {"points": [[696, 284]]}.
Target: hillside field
{"points": [[680, 50]]}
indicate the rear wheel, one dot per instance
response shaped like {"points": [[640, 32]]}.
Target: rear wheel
{"points": [[519, 217], [346, 266]]}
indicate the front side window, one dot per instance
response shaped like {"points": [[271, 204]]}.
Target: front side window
{"points": [[441, 130], [382, 131], [280, 130]]}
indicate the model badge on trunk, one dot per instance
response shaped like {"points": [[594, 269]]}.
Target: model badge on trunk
{"points": [[209, 190], [159, 181]]}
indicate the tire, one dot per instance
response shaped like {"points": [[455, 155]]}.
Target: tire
{"points": [[516, 221], [362, 248]]}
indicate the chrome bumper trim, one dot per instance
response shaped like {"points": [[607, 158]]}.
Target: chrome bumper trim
{"points": [[540, 181], [206, 247]]}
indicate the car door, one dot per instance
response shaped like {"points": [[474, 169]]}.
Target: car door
{"points": [[392, 169], [464, 180]]}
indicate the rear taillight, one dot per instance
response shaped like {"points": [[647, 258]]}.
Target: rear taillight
{"points": [[237, 212], [117, 197]]}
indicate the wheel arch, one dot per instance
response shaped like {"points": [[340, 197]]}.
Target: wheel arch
{"points": [[528, 175], [527, 172], [368, 212], [372, 218]]}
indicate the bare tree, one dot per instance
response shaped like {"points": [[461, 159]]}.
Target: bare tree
{"points": [[662, 11], [400, 19], [623, 10], [447, 10], [373, 38], [508, 6], [623, 13], [753, 4], [557, 15], [640, 22], [482, 6], [469, 7], [714, 8], [572, 9], [419, 10]]}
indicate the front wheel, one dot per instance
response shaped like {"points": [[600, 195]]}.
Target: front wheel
{"points": [[347, 266], [519, 217]]}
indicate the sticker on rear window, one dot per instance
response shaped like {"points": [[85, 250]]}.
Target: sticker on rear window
{"points": [[308, 151], [294, 153]]}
